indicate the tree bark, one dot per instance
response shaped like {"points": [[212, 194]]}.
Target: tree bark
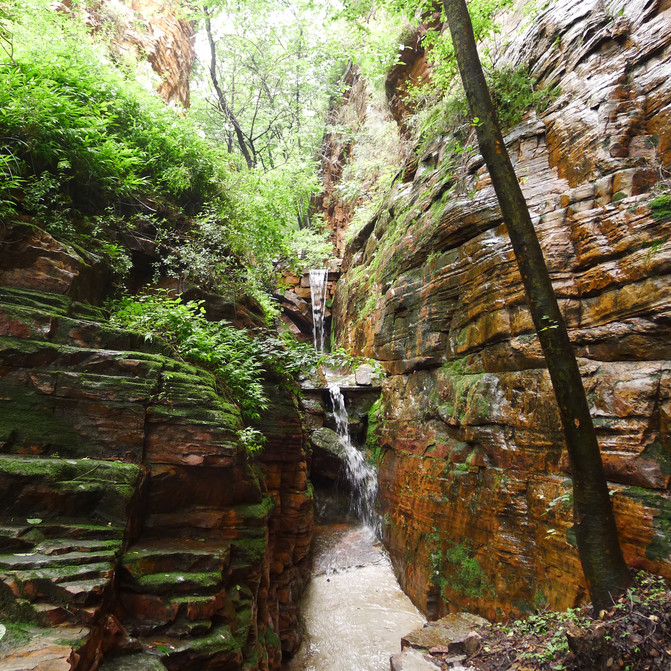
{"points": [[221, 98], [601, 557]]}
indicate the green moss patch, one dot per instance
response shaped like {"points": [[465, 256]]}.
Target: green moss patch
{"points": [[248, 551], [61, 470], [54, 304], [166, 583], [660, 207], [27, 420], [660, 455], [50, 488]]}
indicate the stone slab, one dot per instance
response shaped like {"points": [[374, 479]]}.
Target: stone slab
{"points": [[451, 629]]}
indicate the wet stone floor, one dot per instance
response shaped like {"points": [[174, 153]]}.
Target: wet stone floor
{"points": [[354, 611]]}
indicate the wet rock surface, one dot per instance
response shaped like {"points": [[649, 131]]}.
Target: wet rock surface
{"points": [[411, 660], [474, 480], [129, 508], [43, 649], [454, 632]]}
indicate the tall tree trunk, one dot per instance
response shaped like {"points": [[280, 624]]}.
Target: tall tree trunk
{"points": [[604, 567], [221, 98]]}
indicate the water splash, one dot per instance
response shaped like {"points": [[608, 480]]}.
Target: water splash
{"points": [[318, 285], [360, 474]]}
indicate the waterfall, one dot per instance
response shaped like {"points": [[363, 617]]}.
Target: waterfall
{"points": [[361, 475], [318, 279]]}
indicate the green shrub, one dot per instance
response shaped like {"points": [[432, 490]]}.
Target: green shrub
{"points": [[229, 352], [309, 248], [66, 111], [468, 576], [514, 92], [88, 152]]}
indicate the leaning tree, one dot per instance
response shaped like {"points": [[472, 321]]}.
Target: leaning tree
{"points": [[601, 557]]}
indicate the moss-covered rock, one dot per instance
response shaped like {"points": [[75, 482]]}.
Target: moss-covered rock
{"points": [[88, 488], [179, 582]]}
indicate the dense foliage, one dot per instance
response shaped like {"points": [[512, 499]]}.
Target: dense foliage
{"points": [[81, 133], [238, 358], [229, 352], [88, 152]]}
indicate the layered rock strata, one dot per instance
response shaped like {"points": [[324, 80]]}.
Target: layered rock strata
{"points": [[149, 31], [129, 509], [343, 120], [474, 479]]}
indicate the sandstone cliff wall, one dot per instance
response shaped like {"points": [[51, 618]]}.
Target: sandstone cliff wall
{"points": [[348, 114], [474, 477], [132, 521], [159, 32]]}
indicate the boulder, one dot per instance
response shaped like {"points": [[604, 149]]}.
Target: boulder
{"points": [[327, 455], [452, 633], [412, 660], [364, 375]]}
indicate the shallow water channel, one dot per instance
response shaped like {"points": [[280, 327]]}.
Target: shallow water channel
{"points": [[354, 611]]}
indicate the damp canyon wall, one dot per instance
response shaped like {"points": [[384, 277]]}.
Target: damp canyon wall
{"points": [[131, 513], [474, 478]]}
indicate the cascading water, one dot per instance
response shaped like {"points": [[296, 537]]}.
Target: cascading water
{"points": [[353, 610], [318, 285], [361, 475]]}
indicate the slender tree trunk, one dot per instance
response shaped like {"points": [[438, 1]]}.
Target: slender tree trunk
{"points": [[298, 89], [604, 567], [221, 98]]}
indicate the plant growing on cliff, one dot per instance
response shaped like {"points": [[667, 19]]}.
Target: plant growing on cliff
{"points": [[227, 351], [252, 439], [514, 91], [69, 114], [468, 576], [660, 207], [239, 359], [603, 564]]}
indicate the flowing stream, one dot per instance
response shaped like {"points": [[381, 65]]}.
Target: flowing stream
{"points": [[354, 612], [318, 286]]}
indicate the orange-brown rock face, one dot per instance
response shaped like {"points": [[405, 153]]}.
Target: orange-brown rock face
{"points": [[336, 147], [167, 40], [156, 31], [411, 69], [129, 510], [474, 480]]}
